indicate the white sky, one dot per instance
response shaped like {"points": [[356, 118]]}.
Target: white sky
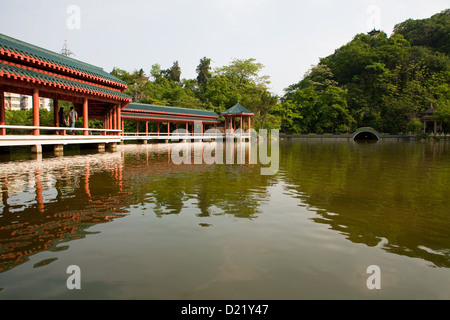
{"points": [[286, 36]]}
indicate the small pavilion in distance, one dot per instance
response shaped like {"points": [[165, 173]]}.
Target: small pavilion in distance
{"points": [[428, 117], [238, 112]]}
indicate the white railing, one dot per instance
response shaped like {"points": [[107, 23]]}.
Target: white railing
{"points": [[175, 134]]}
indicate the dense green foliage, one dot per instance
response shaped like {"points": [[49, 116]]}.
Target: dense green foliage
{"points": [[376, 81], [215, 90], [373, 81]]}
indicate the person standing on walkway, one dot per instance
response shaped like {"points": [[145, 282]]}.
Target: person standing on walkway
{"points": [[62, 118], [73, 117]]}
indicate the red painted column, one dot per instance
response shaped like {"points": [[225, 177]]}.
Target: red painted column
{"points": [[157, 125], [36, 111], [55, 112], [85, 116], [168, 128], [249, 122], [2, 113], [114, 118], [242, 124], [146, 128], [110, 119], [119, 119], [137, 128]]}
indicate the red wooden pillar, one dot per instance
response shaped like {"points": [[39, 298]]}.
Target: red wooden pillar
{"points": [[85, 116], [137, 127], [110, 119], [36, 111], [2, 113], [114, 118], [119, 119], [157, 125], [55, 113], [168, 128], [242, 123], [249, 123], [146, 128]]}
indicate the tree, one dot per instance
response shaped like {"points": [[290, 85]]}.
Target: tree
{"points": [[173, 73], [433, 32], [243, 73], [204, 72]]}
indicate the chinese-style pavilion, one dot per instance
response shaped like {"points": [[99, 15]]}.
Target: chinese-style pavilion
{"points": [[140, 112], [428, 117], [237, 112], [30, 70]]}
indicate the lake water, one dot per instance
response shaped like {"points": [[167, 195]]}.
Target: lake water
{"points": [[139, 226]]}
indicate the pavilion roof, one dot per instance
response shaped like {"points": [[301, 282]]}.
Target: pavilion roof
{"points": [[35, 76], [237, 109], [15, 50], [164, 118], [168, 110]]}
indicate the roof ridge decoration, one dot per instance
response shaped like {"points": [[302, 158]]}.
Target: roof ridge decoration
{"points": [[33, 51], [11, 71], [142, 107], [237, 109]]}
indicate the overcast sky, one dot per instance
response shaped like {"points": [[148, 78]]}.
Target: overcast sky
{"points": [[286, 36]]}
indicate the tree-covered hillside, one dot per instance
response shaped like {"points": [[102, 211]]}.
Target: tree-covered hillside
{"points": [[376, 81]]}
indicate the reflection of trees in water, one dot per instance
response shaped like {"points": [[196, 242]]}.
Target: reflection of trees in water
{"points": [[47, 203], [392, 195], [216, 189]]}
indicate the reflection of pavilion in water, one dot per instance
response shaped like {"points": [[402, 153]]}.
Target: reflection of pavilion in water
{"points": [[218, 189], [51, 201], [61, 206]]}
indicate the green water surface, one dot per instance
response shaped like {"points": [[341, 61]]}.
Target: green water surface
{"points": [[141, 227]]}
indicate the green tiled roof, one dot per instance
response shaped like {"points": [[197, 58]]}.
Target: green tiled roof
{"points": [[168, 109], [237, 109], [21, 72], [165, 118], [14, 45]]}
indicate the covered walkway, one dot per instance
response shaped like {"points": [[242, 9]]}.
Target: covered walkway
{"points": [[28, 70], [33, 71], [167, 121]]}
